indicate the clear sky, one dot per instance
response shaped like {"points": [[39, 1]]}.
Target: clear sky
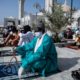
{"points": [[76, 3], [10, 7]]}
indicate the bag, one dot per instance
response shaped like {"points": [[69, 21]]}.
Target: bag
{"points": [[76, 74]]}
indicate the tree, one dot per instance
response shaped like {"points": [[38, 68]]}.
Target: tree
{"points": [[56, 19]]}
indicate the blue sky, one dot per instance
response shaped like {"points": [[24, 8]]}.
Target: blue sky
{"points": [[76, 3], [10, 7]]}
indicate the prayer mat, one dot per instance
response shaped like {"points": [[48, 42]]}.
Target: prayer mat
{"points": [[73, 47], [7, 69], [9, 72]]}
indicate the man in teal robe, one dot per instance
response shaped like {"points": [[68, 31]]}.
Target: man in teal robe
{"points": [[39, 55]]}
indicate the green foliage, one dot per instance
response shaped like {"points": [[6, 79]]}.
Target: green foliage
{"points": [[56, 19]]}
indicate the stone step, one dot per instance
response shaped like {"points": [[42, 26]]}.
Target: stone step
{"points": [[8, 58]]}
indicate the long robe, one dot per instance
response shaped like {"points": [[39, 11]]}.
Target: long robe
{"points": [[44, 59]]}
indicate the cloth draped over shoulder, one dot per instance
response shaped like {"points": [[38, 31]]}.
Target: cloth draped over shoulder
{"points": [[25, 38], [44, 59]]}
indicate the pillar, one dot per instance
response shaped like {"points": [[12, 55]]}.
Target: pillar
{"points": [[48, 5], [21, 9]]}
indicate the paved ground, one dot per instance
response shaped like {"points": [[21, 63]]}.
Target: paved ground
{"points": [[68, 60]]}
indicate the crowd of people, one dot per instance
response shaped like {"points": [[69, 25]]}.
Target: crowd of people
{"points": [[68, 34], [37, 51], [14, 37]]}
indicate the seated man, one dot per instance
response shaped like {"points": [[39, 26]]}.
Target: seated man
{"points": [[78, 41], [12, 38], [76, 37], [26, 36], [40, 54]]}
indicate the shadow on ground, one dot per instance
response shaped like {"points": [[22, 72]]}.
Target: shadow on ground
{"points": [[67, 63], [64, 64]]}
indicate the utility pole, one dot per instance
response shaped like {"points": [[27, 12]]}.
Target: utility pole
{"points": [[71, 10], [37, 7]]}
